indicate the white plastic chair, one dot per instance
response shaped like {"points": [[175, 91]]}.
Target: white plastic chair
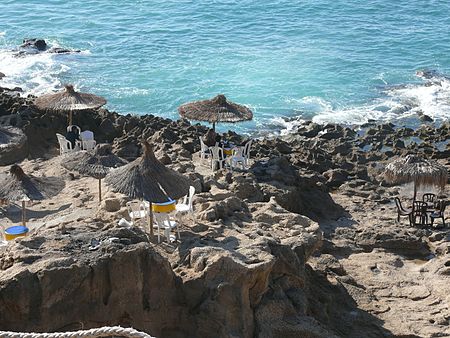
{"points": [[87, 140], [217, 157], [204, 150], [186, 205], [164, 222], [69, 128], [64, 144], [136, 211], [237, 157], [246, 153]]}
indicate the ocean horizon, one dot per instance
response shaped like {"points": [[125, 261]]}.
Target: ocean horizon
{"points": [[330, 62]]}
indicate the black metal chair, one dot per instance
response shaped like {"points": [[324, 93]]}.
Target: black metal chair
{"points": [[419, 214], [440, 213], [402, 211]]}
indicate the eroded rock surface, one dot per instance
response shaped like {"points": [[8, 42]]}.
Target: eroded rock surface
{"points": [[302, 244]]}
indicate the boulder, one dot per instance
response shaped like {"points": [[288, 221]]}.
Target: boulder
{"points": [[336, 177], [38, 44], [111, 204], [13, 145]]}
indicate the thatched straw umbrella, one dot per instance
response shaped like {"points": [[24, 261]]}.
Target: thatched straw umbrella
{"points": [[215, 110], [148, 179], [17, 186], [69, 100], [96, 163], [418, 170]]}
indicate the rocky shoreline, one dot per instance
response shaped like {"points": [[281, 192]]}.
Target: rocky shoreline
{"points": [[304, 243]]}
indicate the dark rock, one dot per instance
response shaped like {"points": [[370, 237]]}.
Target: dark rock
{"points": [[399, 144], [309, 130], [283, 147], [13, 145], [38, 44], [425, 118], [331, 135], [58, 50], [336, 177], [108, 129]]}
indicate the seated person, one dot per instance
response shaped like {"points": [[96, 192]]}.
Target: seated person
{"points": [[219, 141], [210, 138], [72, 136]]}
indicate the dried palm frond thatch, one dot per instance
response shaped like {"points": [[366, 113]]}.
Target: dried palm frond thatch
{"points": [[148, 179], [416, 169], [69, 100], [17, 186], [96, 163], [218, 109]]}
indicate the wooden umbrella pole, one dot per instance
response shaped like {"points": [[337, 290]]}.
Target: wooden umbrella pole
{"points": [[70, 118], [415, 191], [151, 219], [23, 214], [99, 190], [214, 126]]}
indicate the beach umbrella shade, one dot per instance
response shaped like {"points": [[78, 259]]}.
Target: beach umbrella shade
{"points": [[148, 179], [69, 101], [418, 170], [95, 163], [16, 186], [218, 109]]}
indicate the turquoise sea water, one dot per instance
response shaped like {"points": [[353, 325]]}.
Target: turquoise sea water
{"points": [[332, 61]]}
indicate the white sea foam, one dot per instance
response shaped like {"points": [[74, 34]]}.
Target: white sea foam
{"points": [[313, 104], [35, 73], [401, 104], [286, 126], [431, 98]]}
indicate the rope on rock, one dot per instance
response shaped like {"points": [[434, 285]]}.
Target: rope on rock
{"points": [[105, 331]]}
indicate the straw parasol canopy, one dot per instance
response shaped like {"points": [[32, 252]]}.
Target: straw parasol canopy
{"points": [[215, 110], [17, 186], [96, 163], [148, 179], [69, 100], [416, 169]]}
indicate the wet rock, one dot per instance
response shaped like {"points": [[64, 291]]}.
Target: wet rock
{"points": [[425, 118], [38, 44], [58, 50], [331, 135]]}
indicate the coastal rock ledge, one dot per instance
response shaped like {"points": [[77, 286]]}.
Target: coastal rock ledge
{"points": [[55, 283], [304, 243]]}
